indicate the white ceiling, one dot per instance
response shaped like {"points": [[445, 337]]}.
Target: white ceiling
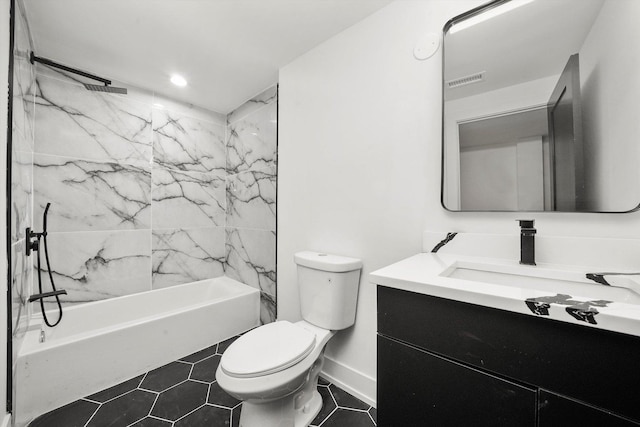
{"points": [[524, 44], [228, 50]]}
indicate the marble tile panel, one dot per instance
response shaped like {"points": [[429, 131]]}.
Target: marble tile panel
{"points": [[251, 259], [93, 266], [87, 195], [22, 102], [251, 200], [183, 109], [184, 143], [21, 191], [21, 277], [73, 121], [23, 80], [187, 255], [187, 199], [266, 97], [252, 142]]}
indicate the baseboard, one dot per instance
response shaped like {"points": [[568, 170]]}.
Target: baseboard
{"points": [[6, 421], [354, 382]]}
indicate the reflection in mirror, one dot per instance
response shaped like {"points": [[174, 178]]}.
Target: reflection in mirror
{"points": [[541, 111]]}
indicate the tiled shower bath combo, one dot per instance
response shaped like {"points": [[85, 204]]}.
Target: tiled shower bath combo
{"points": [[146, 192]]}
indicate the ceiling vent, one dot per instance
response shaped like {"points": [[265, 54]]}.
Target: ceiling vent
{"points": [[466, 80]]}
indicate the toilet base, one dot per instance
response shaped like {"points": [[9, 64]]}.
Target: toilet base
{"points": [[295, 410], [280, 413]]}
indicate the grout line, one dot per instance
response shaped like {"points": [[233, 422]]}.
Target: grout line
{"points": [[93, 415]]}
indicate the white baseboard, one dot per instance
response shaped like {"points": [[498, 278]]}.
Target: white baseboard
{"points": [[6, 421], [354, 382]]}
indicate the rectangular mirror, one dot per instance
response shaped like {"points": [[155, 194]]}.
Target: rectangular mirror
{"points": [[540, 107]]}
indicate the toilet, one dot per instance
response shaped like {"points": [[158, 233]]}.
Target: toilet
{"points": [[274, 369]]}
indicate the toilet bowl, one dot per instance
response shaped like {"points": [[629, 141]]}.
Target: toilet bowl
{"points": [[279, 387], [274, 369]]}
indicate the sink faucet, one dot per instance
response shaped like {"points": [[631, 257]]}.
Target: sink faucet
{"points": [[527, 242]]}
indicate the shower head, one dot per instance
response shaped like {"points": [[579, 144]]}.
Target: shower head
{"points": [[105, 88]]}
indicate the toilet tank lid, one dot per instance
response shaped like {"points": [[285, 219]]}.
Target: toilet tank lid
{"points": [[327, 262]]}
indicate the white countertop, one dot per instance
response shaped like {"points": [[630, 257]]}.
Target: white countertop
{"points": [[614, 308]]}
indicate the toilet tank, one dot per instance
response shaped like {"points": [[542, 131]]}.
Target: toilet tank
{"points": [[328, 286]]}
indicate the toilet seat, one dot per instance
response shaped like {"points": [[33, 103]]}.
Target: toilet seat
{"points": [[268, 349]]}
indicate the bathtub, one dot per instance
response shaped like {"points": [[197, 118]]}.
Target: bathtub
{"points": [[100, 344]]}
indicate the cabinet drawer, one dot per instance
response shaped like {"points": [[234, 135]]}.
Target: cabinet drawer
{"points": [[591, 365], [557, 410], [416, 388]]}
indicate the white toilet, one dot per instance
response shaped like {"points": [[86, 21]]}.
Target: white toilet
{"points": [[274, 369]]}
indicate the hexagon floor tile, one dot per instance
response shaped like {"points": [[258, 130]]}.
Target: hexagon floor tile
{"points": [[184, 393]]}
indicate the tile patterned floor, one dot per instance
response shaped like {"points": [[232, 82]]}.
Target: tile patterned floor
{"points": [[185, 393]]}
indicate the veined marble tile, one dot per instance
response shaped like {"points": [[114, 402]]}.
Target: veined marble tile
{"points": [[251, 200], [73, 121], [187, 199], [251, 259], [93, 266], [162, 102], [183, 143], [187, 255], [23, 81], [21, 276], [22, 102], [252, 142], [88, 195], [21, 191], [267, 96]]}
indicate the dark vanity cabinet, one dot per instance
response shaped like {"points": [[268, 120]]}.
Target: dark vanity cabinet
{"points": [[448, 363]]}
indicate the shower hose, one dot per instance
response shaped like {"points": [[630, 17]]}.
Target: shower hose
{"points": [[53, 285]]}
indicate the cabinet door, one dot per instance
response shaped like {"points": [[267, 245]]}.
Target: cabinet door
{"points": [[417, 388], [559, 411]]}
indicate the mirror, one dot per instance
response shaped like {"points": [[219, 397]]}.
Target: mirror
{"points": [[540, 108]]}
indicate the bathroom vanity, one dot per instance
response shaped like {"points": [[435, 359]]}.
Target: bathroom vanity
{"points": [[462, 349]]}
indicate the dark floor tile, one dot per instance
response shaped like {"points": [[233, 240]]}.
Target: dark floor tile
{"points": [[374, 414], [124, 410], [166, 376], [217, 396], [202, 354], [75, 414], [347, 417], [225, 344], [322, 381], [205, 370], [151, 422], [235, 416], [180, 400], [206, 416], [328, 405], [345, 400], [116, 390]]}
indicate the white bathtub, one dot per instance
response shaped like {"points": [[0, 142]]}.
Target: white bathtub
{"points": [[103, 343]]}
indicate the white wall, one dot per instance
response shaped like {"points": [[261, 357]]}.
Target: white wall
{"points": [[358, 158], [359, 162], [610, 106], [4, 102]]}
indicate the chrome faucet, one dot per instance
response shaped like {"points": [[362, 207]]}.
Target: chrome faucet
{"points": [[527, 242]]}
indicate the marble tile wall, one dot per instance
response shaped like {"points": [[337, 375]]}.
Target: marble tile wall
{"points": [[22, 175], [251, 197], [137, 187], [145, 192]]}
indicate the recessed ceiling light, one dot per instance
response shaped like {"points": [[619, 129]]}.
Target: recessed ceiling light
{"points": [[178, 80]]}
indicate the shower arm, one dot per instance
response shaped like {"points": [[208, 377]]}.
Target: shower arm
{"points": [[33, 58]]}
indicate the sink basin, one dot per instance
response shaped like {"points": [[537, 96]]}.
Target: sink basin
{"points": [[553, 281]]}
